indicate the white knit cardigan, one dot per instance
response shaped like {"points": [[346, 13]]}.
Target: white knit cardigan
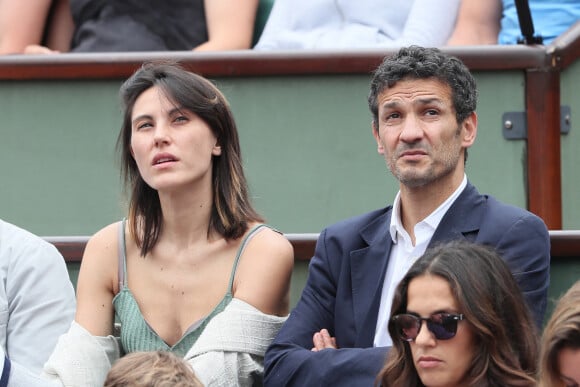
{"points": [[229, 352]]}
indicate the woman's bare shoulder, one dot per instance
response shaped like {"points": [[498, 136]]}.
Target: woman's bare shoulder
{"points": [[263, 277], [104, 239], [102, 248], [274, 241]]}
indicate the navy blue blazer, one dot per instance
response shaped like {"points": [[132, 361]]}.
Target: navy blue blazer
{"points": [[346, 276]]}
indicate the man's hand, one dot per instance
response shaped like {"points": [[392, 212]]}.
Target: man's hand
{"points": [[323, 340]]}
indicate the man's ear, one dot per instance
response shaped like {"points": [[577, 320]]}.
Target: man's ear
{"points": [[377, 137], [469, 130]]}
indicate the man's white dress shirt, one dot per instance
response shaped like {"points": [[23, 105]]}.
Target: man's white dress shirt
{"points": [[404, 254]]}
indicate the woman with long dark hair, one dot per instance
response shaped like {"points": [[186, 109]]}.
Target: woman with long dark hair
{"points": [[459, 319], [192, 270]]}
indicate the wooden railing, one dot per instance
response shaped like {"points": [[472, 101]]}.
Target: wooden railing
{"points": [[564, 244], [251, 63]]}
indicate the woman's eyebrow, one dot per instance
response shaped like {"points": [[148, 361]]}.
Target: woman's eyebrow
{"points": [[141, 117]]}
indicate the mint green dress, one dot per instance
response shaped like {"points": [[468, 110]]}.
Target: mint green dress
{"points": [[136, 334]]}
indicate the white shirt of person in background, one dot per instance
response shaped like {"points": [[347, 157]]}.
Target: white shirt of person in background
{"points": [[37, 299], [348, 24]]}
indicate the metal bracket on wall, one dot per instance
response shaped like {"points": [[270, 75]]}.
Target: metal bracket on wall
{"points": [[514, 124]]}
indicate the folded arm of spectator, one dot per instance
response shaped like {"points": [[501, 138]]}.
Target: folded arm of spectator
{"points": [[35, 26], [21, 23], [478, 22], [230, 24]]}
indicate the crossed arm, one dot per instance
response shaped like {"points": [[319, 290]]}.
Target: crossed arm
{"points": [[230, 24], [23, 24], [305, 353], [478, 22]]}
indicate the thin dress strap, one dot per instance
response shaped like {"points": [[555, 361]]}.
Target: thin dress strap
{"points": [[121, 246], [247, 238]]}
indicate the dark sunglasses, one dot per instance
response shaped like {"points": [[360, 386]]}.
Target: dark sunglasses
{"points": [[442, 325]]}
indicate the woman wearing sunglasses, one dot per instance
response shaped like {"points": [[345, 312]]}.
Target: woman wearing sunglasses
{"points": [[459, 319]]}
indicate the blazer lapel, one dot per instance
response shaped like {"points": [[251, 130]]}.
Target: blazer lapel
{"points": [[368, 267], [463, 218]]}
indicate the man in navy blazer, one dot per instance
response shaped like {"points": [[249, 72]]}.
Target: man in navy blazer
{"points": [[423, 104]]}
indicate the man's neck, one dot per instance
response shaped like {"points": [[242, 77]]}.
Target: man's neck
{"points": [[419, 202]]}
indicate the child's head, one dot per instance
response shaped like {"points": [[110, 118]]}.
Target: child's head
{"points": [[151, 369]]}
